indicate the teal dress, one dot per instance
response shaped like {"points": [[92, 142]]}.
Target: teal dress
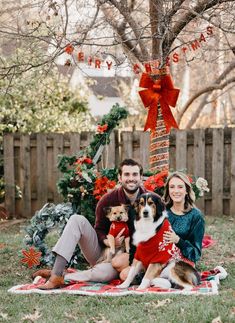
{"points": [[190, 227]]}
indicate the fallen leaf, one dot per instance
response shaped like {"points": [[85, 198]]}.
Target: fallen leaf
{"points": [[70, 316], [217, 320], [159, 303], [32, 317], [101, 319], [2, 245], [3, 315], [233, 311]]}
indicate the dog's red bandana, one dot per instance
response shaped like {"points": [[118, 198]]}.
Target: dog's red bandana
{"points": [[156, 250], [116, 227]]}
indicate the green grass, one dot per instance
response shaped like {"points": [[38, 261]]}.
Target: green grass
{"points": [[75, 308]]}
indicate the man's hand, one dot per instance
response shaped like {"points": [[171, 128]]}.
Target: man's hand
{"points": [[171, 237], [119, 238]]}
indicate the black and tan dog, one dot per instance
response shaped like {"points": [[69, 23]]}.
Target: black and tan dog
{"points": [[162, 261]]}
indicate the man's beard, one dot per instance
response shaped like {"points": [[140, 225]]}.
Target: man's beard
{"points": [[131, 191]]}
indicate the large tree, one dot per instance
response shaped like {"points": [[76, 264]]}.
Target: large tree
{"points": [[138, 31]]}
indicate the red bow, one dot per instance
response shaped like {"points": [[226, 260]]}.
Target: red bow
{"points": [[161, 91]]}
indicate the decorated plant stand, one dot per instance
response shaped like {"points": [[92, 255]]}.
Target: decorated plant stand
{"points": [[157, 95]]}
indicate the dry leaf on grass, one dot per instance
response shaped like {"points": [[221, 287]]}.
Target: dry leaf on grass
{"points": [[159, 303], [4, 316], [70, 316], [217, 320], [2, 245], [98, 319], [233, 311], [32, 317]]}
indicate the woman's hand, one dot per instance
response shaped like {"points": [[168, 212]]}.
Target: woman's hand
{"points": [[171, 237]]}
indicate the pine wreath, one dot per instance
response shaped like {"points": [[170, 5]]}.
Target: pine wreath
{"points": [[81, 186]]}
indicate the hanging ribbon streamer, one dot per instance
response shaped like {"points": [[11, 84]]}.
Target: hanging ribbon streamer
{"points": [[161, 91]]}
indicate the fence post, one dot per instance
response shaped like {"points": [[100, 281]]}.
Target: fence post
{"points": [[181, 149], [25, 175], [199, 160], [232, 184], [9, 173], [217, 171], [41, 169]]}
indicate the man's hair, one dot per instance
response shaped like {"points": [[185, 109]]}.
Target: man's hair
{"points": [[129, 162]]}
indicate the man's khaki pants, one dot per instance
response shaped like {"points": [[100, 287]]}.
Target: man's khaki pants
{"points": [[79, 231]]}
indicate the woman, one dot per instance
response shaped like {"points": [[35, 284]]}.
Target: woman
{"points": [[186, 220]]}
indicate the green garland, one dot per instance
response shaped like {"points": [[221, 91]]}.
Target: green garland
{"points": [[77, 187]]}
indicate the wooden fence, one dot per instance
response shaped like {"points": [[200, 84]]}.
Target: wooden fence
{"points": [[30, 162]]}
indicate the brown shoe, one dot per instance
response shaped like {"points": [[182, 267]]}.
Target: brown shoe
{"points": [[53, 282], [44, 273]]}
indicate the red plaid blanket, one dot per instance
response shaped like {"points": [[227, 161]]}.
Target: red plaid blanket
{"points": [[208, 286]]}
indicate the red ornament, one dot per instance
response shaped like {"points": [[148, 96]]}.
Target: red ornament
{"points": [[83, 160], [69, 49], [161, 91], [102, 129], [31, 257]]}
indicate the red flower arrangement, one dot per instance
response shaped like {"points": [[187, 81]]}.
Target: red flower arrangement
{"points": [[102, 185], [31, 257], [83, 160], [155, 183], [101, 129]]}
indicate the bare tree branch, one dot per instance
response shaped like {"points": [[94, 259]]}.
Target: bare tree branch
{"points": [[189, 15], [197, 112], [214, 86], [125, 12]]}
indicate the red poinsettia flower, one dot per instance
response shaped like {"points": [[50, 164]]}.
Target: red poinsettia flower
{"points": [[102, 185], [31, 257], [156, 182], [102, 129], [83, 160], [69, 49]]}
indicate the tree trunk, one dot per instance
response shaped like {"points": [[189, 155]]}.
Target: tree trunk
{"points": [[159, 140]]}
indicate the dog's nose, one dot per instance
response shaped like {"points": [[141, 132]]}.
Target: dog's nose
{"points": [[119, 218], [145, 213]]}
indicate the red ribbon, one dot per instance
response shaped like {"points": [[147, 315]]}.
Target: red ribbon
{"points": [[160, 91]]}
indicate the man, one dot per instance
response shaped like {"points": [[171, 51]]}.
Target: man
{"points": [[92, 240]]}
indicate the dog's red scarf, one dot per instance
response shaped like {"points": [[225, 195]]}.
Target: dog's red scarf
{"points": [[156, 250], [116, 227]]}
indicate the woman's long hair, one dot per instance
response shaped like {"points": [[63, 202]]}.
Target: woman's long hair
{"points": [[189, 197]]}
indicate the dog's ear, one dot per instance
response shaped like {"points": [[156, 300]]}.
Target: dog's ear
{"points": [[107, 210], [160, 205], [126, 207], [137, 209]]}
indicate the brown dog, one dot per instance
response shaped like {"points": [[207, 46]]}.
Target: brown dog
{"points": [[118, 216]]}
